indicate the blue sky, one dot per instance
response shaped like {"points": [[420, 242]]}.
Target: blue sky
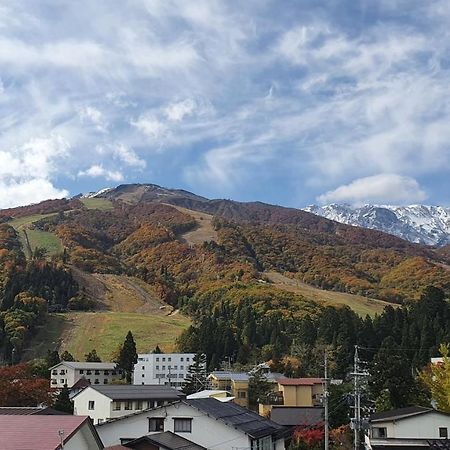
{"points": [[288, 102]]}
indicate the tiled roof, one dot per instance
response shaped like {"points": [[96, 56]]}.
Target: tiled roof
{"points": [[28, 410], [138, 392], [295, 415], [401, 413], [300, 381], [37, 432], [238, 417]]}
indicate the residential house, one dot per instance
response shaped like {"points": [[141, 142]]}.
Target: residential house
{"points": [[159, 441], [53, 432], [67, 373], [169, 369], [206, 422], [222, 396], [298, 416], [102, 403], [411, 427]]}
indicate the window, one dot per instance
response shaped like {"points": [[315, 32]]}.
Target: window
{"points": [[164, 359], [187, 359], [91, 405], [62, 372], [113, 372], [443, 432], [169, 359], [181, 359], [242, 394], [180, 375], [96, 381], [116, 406], [151, 404], [106, 372], [163, 367], [175, 367], [88, 372], [156, 424], [128, 405], [100, 421], [81, 371], [97, 372], [139, 405], [157, 367], [182, 425], [264, 443], [105, 381], [181, 367], [379, 432], [54, 381], [143, 375]]}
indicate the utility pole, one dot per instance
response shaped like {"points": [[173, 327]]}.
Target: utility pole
{"points": [[325, 401]]}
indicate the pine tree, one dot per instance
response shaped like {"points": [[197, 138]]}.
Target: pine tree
{"points": [[196, 377], [66, 356], [128, 356], [92, 356], [258, 387], [157, 350], [63, 402], [52, 358]]}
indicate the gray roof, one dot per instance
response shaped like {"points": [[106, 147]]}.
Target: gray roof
{"points": [[138, 392], [29, 410], [238, 417], [166, 440], [244, 376], [401, 413], [293, 415], [87, 365]]}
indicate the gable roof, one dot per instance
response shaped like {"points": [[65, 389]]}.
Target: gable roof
{"points": [[29, 410], [86, 365], [297, 415], [137, 392], [223, 375], [401, 413], [166, 440], [237, 417], [39, 432], [300, 381]]}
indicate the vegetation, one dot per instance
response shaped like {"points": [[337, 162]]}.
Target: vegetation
{"points": [[127, 356], [196, 377]]}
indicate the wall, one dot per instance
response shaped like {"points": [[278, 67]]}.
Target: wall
{"points": [[102, 405], [297, 395], [83, 439], [240, 386]]}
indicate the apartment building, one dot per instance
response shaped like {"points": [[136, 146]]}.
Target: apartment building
{"points": [[67, 373], [169, 369]]}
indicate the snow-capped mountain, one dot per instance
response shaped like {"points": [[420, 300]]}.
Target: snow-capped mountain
{"points": [[422, 224]]}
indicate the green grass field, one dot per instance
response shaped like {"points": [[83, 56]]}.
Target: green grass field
{"points": [[97, 203], [105, 331], [28, 220]]}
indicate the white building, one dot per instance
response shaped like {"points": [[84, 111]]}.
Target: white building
{"points": [[410, 427], [169, 369], [67, 373], [102, 403], [206, 422]]}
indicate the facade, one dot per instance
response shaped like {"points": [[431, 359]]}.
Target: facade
{"points": [[411, 427], [169, 369], [42, 432], [103, 403], [67, 373], [206, 422]]}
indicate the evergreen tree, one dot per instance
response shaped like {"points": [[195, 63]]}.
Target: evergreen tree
{"points": [[52, 358], [63, 402], [258, 387], [92, 356], [196, 377], [128, 356], [157, 350], [66, 356]]}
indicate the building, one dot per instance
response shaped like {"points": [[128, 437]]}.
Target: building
{"points": [[206, 422], [169, 369], [411, 427], [298, 416], [67, 373], [42, 432], [103, 403], [30, 410], [222, 396]]}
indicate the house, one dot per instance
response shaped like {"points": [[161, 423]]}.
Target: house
{"points": [[108, 402], [297, 416], [206, 422], [67, 373], [42, 432], [169, 369], [237, 383], [412, 427], [159, 441], [222, 396]]}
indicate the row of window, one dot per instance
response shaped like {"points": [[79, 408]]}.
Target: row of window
{"points": [[96, 381], [98, 372], [170, 375], [180, 425], [169, 359], [175, 367], [381, 432]]}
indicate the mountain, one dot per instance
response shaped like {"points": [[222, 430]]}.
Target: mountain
{"points": [[429, 225]]}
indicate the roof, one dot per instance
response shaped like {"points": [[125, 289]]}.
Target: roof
{"points": [[166, 440], [295, 415], [300, 381], [208, 393], [401, 413], [39, 432], [243, 376], [87, 365], [238, 417], [138, 392], [28, 410], [81, 384]]}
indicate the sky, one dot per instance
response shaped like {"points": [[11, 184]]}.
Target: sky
{"points": [[286, 102]]}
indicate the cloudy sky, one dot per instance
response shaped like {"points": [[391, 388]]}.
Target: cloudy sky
{"points": [[288, 102]]}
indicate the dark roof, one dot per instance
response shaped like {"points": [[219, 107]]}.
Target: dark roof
{"points": [[401, 413], [166, 440], [81, 384], [292, 416], [29, 410], [300, 381], [138, 392], [39, 432], [237, 416]]}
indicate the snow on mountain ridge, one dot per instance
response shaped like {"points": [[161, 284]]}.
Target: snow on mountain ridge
{"points": [[422, 224]]}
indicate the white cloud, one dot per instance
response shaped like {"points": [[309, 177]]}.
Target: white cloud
{"points": [[98, 171], [150, 126], [93, 115], [382, 188], [177, 111]]}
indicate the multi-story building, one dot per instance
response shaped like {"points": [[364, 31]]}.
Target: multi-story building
{"points": [[67, 373], [169, 369], [103, 403]]}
